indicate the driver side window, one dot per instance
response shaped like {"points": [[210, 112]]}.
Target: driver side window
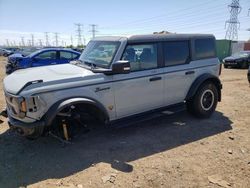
{"points": [[141, 56], [47, 55]]}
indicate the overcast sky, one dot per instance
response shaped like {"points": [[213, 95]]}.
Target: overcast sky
{"points": [[20, 18]]}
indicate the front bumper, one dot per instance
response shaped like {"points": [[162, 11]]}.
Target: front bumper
{"points": [[231, 63], [19, 124]]}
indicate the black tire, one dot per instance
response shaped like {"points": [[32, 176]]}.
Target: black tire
{"points": [[225, 66], [34, 133], [203, 104]]}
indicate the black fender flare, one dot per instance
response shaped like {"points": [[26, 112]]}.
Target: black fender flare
{"points": [[60, 105], [199, 81]]}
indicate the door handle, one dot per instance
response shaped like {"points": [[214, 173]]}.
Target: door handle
{"points": [[189, 72], [54, 63], [154, 79]]}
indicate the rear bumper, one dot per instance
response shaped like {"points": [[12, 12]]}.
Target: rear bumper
{"points": [[19, 124]]}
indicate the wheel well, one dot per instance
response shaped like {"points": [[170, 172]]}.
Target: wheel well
{"points": [[92, 107], [201, 81]]}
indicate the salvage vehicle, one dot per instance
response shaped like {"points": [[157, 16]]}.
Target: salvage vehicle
{"points": [[5, 52], [112, 84], [43, 57], [238, 60]]}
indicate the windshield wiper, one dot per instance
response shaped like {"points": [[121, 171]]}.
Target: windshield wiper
{"points": [[76, 62], [90, 64]]}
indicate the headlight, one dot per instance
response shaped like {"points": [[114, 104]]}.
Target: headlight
{"points": [[17, 105]]}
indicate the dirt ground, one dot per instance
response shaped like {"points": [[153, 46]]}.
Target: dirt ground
{"points": [[171, 151]]}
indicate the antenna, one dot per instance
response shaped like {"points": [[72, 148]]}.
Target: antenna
{"points": [[233, 23]]}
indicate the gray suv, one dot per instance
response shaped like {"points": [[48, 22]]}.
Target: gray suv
{"points": [[117, 78]]}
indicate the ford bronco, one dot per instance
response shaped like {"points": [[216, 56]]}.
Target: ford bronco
{"points": [[115, 79]]}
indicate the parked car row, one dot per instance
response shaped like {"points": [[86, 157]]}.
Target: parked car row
{"points": [[43, 57]]}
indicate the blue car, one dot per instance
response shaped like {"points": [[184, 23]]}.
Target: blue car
{"points": [[43, 57]]}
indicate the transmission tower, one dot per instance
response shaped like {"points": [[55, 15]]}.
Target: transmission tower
{"points": [[56, 38], [233, 23], [7, 42], [93, 30], [32, 40], [40, 42], [22, 41], [79, 33], [47, 38], [71, 39]]}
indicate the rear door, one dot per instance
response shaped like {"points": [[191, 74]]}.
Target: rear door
{"points": [[178, 73], [45, 58], [66, 57], [142, 89]]}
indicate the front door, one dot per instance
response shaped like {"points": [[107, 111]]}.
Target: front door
{"points": [[45, 58], [142, 89]]}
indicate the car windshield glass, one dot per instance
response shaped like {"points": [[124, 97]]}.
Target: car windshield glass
{"points": [[241, 54], [99, 53]]}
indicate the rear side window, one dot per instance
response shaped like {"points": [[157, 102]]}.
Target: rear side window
{"points": [[65, 55], [176, 52], [47, 55], [204, 48]]}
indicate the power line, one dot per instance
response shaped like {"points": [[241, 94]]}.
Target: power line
{"points": [[233, 23], [93, 30], [79, 33]]}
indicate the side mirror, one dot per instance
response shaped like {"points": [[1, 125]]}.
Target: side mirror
{"points": [[121, 67]]}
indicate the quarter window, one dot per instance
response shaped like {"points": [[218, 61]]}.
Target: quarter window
{"points": [[204, 48], [141, 56], [47, 55]]}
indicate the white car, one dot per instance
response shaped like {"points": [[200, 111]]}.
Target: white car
{"points": [[172, 69]]}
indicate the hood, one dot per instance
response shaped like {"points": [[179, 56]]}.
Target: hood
{"points": [[18, 79], [232, 58], [16, 56]]}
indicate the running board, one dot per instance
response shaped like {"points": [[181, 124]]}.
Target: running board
{"points": [[146, 116]]}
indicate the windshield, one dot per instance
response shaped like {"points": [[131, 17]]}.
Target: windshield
{"points": [[241, 54], [99, 53]]}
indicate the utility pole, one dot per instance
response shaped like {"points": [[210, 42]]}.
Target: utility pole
{"points": [[93, 30], [233, 23], [32, 40], [248, 12], [56, 38], [79, 33], [46, 39], [22, 41]]}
